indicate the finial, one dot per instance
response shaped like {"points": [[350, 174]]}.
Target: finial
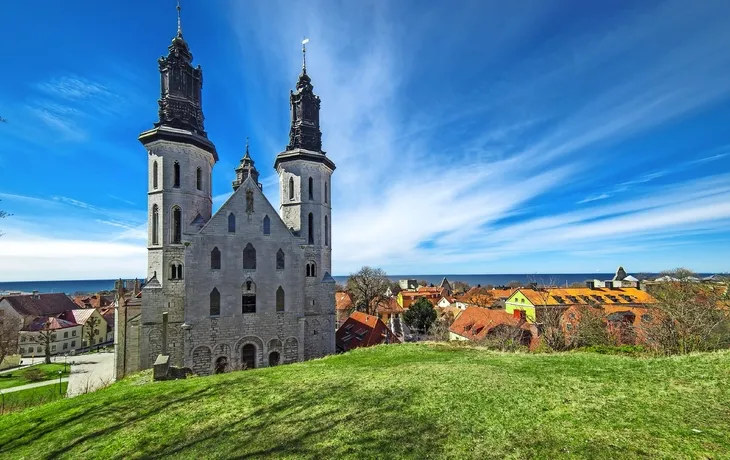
{"points": [[179, 25], [246, 145], [305, 40]]}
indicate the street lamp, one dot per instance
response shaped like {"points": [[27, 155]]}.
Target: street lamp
{"points": [[59, 383], [2, 395], [65, 358]]}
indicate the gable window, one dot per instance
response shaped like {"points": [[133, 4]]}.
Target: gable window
{"points": [[310, 228], [215, 259], [267, 225], [215, 302], [199, 179], [325, 191], [326, 231], [231, 223], [155, 224], [249, 201], [280, 260], [176, 175], [280, 299], [291, 188], [249, 257], [311, 188], [176, 271], [154, 175], [248, 297], [176, 225]]}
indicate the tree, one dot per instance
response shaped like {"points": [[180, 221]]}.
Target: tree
{"points": [[479, 297], [368, 287], [422, 283], [681, 274], [587, 326], [514, 284], [460, 287], [90, 329], [44, 336], [420, 315], [9, 334]]}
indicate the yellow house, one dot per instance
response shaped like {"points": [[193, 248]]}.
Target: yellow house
{"points": [[519, 301]]}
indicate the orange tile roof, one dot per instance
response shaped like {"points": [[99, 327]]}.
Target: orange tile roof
{"points": [[475, 323], [390, 306], [588, 296], [343, 300]]}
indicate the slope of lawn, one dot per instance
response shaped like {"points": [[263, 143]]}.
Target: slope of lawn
{"points": [[395, 401], [19, 400], [20, 377]]}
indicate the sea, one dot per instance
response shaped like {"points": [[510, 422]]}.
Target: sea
{"points": [[559, 279]]}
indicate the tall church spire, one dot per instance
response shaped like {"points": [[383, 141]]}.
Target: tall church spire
{"points": [[180, 87], [304, 132]]}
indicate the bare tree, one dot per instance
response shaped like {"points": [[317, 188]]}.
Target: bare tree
{"points": [[479, 297], [507, 337], [44, 336], [368, 287], [9, 334], [586, 326], [460, 287], [90, 330]]}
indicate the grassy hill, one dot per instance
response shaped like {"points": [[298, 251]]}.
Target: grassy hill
{"points": [[412, 400]]}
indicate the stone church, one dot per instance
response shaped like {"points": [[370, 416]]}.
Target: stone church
{"points": [[245, 287]]}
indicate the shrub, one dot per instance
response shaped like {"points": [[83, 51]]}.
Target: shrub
{"points": [[34, 375], [631, 350]]}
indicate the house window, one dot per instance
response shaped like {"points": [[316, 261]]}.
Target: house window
{"points": [[248, 297], [311, 228], [231, 223], [215, 302], [176, 175], [311, 188], [73, 343], [176, 225], [154, 175], [267, 225], [215, 259], [65, 334], [73, 333], [53, 348], [199, 179], [176, 271], [38, 349], [280, 299], [326, 231], [155, 224], [65, 345], [249, 257], [291, 188], [280, 260]]}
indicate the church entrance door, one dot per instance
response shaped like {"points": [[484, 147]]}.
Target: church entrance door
{"points": [[248, 356]]}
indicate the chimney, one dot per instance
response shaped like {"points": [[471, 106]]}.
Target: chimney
{"points": [[36, 295], [120, 288], [591, 284]]}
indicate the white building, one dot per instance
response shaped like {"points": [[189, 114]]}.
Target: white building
{"points": [[63, 337]]}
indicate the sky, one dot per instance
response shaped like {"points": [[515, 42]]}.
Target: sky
{"points": [[469, 137]]}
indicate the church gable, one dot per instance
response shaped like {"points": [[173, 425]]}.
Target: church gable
{"points": [[246, 211]]}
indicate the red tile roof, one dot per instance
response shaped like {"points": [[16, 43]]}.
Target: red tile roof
{"points": [[361, 330], [48, 322], [474, 323], [40, 304], [343, 300]]}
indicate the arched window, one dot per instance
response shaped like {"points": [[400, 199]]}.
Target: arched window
{"points": [[314, 269], [291, 188], [199, 179], [311, 228], [280, 260], [155, 224], [249, 257], [176, 225], [176, 175], [308, 272], [231, 223], [326, 231], [176, 271], [267, 225], [326, 189], [311, 188], [280, 299], [311, 269], [215, 259], [215, 302], [154, 175], [248, 297]]}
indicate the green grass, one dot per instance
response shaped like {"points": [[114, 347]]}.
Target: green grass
{"points": [[18, 376], [19, 400], [412, 400]]}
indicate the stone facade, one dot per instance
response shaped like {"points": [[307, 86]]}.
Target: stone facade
{"points": [[247, 286]]}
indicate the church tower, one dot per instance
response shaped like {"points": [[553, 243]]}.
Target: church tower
{"points": [[180, 164], [304, 177]]}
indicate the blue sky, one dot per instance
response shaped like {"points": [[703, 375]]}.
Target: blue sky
{"points": [[470, 137]]}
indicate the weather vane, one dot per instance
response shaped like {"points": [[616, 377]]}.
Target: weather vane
{"points": [[305, 40]]}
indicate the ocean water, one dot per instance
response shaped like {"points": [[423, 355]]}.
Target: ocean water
{"points": [[86, 286]]}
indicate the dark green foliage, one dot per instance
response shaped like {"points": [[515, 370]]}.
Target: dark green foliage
{"points": [[420, 315]]}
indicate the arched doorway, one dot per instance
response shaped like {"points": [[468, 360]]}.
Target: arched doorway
{"points": [[274, 358], [248, 356], [221, 365]]}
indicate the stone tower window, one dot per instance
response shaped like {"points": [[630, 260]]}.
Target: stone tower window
{"points": [[176, 175], [311, 269], [291, 188], [325, 191], [326, 231], [155, 224], [231, 223], [280, 299], [176, 271], [267, 225], [310, 228], [248, 297], [215, 259], [215, 302], [280, 260], [199, 179], [154, 175], [311, 189], [249, 257], [176, 225]]}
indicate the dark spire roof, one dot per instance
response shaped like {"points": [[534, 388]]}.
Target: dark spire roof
{"points": [[304, 132], [246, 168]]}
